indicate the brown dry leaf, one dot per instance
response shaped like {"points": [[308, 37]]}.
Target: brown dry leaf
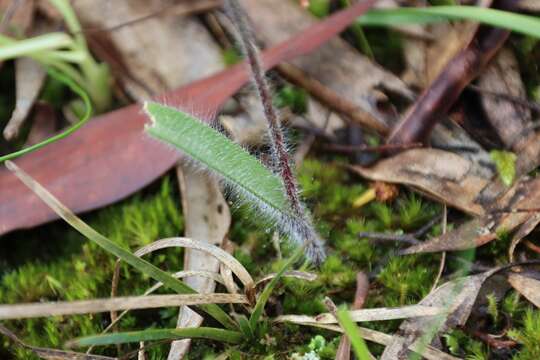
{"points": [[507, 118], [526, 286], [424, 61], [457, 297], [162, 52], [336, 65], [32, 310], [16, 17], [30, 76], [525, 194], [207, 218], [51, 354], [525, 229], [443, 175]]}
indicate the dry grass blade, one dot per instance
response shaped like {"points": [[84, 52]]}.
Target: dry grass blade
{"points": [[377, 314], [145, 267], [31, 310], [178, 275], [302, 275], [429, 352], [51, 354], [227, 259]]}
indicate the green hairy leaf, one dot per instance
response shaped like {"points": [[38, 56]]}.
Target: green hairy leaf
{"points": [[524, 24], [219, 154]]}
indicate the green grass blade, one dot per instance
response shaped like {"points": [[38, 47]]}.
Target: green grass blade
{"points": [[265, 295], [86, 116], [221, 335], [353, 333], [219, 154], [143, 266], [524, 24], [11, 48]]}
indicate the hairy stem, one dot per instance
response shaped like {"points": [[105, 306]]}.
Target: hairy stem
{"points": [[280, 156]]}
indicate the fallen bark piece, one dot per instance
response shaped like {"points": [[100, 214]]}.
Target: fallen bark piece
{"points": [[207, 218], [499, 217], [110, 158], [526, 286], [443, 175]]}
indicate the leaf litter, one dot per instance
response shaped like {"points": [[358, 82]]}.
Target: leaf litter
{"points": [[460, 179]]}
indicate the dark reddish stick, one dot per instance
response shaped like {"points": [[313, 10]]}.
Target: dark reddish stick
{"points": [[435, 101]]}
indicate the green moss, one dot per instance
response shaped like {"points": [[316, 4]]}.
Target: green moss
{"points": [[77, 269], [528, 336]]}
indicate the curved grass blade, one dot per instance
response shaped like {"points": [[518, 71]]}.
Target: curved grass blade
{"points": [[87, 113], [143, 266], [265, 295], [228, 336], [224, 257], [219, 154], [524, 24]]}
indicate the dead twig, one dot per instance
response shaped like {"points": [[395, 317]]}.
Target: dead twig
{"points": [[347, 149], [362, 287], [330, 98], [522, 102], [437, 100]]}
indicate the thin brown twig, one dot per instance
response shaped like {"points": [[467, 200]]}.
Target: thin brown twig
{"points": [[330, 98], [339, 148], [405, 238], [532, 246], [514, 99]]}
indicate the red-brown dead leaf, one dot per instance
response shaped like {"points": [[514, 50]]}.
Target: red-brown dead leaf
{"points": [[111, 158]]}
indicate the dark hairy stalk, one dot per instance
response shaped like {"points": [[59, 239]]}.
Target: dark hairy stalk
{"points": [[299, 224]]}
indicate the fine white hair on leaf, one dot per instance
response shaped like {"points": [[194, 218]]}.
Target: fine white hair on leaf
{"points": [[211, 152]]}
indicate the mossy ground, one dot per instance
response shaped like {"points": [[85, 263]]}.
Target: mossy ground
{"points": [[63, 266], [54, 262]]}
